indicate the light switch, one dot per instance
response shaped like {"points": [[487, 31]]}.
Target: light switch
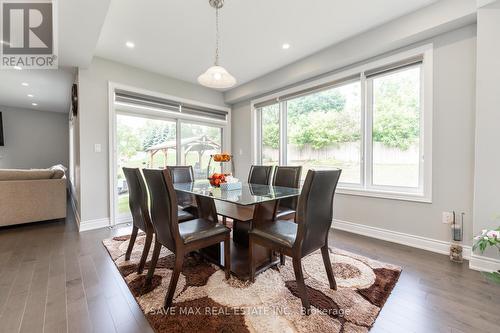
{"points": [[97, 148], [241, 151], [447, 217]]}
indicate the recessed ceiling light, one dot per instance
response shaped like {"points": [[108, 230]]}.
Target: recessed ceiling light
{"points": [[285, 46], [31, 95], [18, 68], [34, 104], [25, 84], [130, 45]]}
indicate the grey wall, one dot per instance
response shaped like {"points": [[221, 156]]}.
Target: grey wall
{"points": [[453, 149], [33, 139], [487, 180], [440, 17], [94, 123], [241, 123]]}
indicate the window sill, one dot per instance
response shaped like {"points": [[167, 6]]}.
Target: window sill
{"points": [[403, 196]]}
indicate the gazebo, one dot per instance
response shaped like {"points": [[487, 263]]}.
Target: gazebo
{"points": [[199, 144]]}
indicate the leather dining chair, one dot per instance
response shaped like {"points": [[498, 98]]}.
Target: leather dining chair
{"points": [[184, 174], [179, 238], [287, 176], [260, 174], [138, 203], [309, 232]]}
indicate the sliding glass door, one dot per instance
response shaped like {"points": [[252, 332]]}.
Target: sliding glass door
{"points": [[141, 143], [198, 142]]}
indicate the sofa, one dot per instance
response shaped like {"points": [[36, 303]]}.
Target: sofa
{"points": [[32, 195]]}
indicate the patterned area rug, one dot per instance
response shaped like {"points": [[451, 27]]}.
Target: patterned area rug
{"points": [[206, 302]]}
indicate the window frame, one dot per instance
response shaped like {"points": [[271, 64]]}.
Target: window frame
{"points": [[115, 109], [366, 187]]}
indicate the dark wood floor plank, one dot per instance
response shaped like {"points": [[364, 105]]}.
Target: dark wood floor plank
{"points": [[76, 302], [55, 307], [16, 301], [34, 312]]}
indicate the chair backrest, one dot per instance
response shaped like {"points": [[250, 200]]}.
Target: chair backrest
{"points": [[163, 207], [182, 174], [138, 199], [315, 209], [287, 176], [260, 174]]}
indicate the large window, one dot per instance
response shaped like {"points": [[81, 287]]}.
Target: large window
{"points": [[155, 131], [270, 143], [368, 123], [396, 127], [324, 129]]}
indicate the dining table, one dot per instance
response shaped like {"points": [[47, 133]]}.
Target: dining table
{"points": [[251, 202]]}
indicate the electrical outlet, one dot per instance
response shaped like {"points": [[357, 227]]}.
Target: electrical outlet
{"points": [[447, 217], [97, 148]]}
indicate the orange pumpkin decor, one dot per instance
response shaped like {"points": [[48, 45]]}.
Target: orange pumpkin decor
{"points": [[224, 157]]}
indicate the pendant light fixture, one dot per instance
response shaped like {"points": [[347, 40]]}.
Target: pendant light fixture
{"points": [[217, 76]]}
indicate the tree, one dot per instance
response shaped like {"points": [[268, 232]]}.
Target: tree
{"points": [[128, 141], [154, 133], [396, 121]]}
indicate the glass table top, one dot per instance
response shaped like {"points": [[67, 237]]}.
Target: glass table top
{"points": [[249, 194]]}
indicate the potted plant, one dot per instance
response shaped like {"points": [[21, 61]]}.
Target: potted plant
{"points": [[486, 239]]}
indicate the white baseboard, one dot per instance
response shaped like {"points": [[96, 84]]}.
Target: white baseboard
{"points": [[480, 263], [93, 224], [424, 243]]}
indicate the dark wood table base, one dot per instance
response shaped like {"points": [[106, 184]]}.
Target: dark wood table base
{"points": [[240, 264]]}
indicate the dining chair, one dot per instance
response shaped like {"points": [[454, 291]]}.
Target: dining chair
{"points": [[138, 203], [287, 176], [179, 238], [184, 174], [260, 174], [309, 233]]}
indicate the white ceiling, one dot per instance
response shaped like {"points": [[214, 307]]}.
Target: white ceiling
{"points": [[51, 89], [176, 37], [80, 24]]}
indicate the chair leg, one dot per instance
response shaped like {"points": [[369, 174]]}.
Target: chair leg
{"points": [[145, 252], [328, 266], [179, 259], [131, 242], [154, 261], [282, 259], [301, 286], [227, 255], [251, 259]]}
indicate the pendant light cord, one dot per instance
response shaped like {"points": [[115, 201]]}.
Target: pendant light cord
{"points": [[217, 36]]}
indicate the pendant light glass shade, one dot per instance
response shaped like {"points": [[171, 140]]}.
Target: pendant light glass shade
{"points": [[217, 77]]}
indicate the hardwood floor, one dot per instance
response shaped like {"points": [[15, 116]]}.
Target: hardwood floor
{"points": [[54, 279]]}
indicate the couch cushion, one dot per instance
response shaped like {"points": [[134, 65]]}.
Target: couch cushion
{"points": [[59, 171], [19, 174]]}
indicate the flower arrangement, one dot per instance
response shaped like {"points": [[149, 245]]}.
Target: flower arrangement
{"points": [[488, 238]]}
